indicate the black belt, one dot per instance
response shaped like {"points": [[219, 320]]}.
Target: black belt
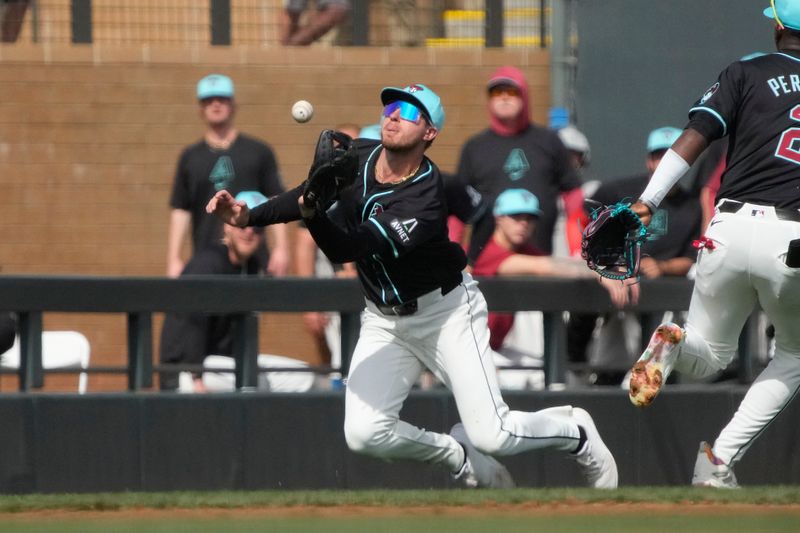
{"points": [[733, 206], [412, 306]]}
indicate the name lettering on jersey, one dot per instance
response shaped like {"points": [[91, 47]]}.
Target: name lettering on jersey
{"points": [[516, 165], [403, 228], [784, 84]]}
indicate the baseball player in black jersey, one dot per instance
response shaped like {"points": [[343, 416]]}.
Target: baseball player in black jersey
{"points": [[749, 252], [422, 311]]}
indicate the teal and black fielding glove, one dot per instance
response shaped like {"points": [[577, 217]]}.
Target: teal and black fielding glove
{"points": [[612, 241], [334, 168]]}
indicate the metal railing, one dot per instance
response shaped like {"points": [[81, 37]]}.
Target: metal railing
{"points": [[138, 298], [436, 23]]}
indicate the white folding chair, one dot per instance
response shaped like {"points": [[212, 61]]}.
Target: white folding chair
{"points": [[60, 349], [271, 381]]}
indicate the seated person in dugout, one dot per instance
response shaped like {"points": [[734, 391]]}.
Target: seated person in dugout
{"points": [[188, 338], [509, 253]]}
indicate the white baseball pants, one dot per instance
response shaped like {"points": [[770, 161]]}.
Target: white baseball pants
{"points": [[449, 336], [746, 266]]}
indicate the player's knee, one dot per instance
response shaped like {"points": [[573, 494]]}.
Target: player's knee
{"points": [[487, 442], [366, 437]]}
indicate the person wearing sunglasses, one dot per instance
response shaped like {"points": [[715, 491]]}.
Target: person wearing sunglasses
{"points": [[422, 311], [750, 253]]}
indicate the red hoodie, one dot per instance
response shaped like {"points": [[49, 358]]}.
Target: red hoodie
{"points": [[511, 76]]}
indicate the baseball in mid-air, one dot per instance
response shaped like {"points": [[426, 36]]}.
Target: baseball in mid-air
{"points": [[302, 111]]}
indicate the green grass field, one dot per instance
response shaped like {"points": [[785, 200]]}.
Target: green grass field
{"points": [[753, 509]]}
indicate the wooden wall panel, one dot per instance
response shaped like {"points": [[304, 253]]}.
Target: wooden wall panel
{"points": [[88, 147]]}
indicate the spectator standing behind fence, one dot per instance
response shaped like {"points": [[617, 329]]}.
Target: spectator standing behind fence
{"points": [[509, 253], [669, 252], [300, 30], [188, 338], [224, 159], [515, 153]]}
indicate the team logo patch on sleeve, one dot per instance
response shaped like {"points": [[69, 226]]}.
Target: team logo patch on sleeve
{"points": [[376, 210], [709, 93], [403, 228]]}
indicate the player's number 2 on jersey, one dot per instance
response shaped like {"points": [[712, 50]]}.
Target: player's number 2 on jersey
{"points": [[789, 143]]}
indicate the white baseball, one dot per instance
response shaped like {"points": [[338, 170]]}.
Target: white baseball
{"points": [[302, 111]]}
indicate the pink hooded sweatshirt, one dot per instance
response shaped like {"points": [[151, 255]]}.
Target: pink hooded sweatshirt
{"points": [[511, 76]]}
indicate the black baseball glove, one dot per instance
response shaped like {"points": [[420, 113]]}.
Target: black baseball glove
{"points": [[612, 241], [334, 168]]}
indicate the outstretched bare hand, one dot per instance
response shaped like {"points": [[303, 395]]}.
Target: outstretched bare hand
{"points": [[228, 209]]}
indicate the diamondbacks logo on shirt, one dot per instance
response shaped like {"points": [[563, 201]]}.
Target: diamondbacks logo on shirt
{"points": [[222, 174], [516, 165], [658, 226], [404, 228]]}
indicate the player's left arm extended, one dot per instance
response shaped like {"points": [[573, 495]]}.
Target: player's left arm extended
{"points": [[684, 152]]}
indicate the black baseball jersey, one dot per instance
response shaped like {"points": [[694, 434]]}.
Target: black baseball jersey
{"points": [[247, 165], [756, 103], [396, 234], [534, 159]]}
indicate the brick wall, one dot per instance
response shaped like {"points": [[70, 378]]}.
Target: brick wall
{"points": [[89, 137]]}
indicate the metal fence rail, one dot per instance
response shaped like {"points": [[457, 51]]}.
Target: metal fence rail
{"points": [[31, 296]]}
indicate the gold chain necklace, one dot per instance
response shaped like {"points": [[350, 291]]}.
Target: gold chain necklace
{"points": [[401, 180]]}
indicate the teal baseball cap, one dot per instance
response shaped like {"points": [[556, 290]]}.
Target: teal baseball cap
{"points": [[215, 85], [421, 96], [516, 202], [785, 12], [662, 138], [253, 199]]}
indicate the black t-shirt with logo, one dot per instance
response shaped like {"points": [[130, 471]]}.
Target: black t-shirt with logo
{"points": [[247, 165], [757, 104], [535, 160]]}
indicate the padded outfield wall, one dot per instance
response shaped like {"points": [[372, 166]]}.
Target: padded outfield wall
{"points": [[55, 443]]}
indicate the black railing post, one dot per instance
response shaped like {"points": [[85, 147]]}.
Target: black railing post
{"points": [[140, 350], [245, 350], [543, 23], [494, 24], [81, 11], [31, 374], [220, 22], [555, 349], [360, 18]]}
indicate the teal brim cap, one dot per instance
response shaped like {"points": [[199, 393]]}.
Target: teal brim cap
{"points": [[788, 13], [422, 97]]}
